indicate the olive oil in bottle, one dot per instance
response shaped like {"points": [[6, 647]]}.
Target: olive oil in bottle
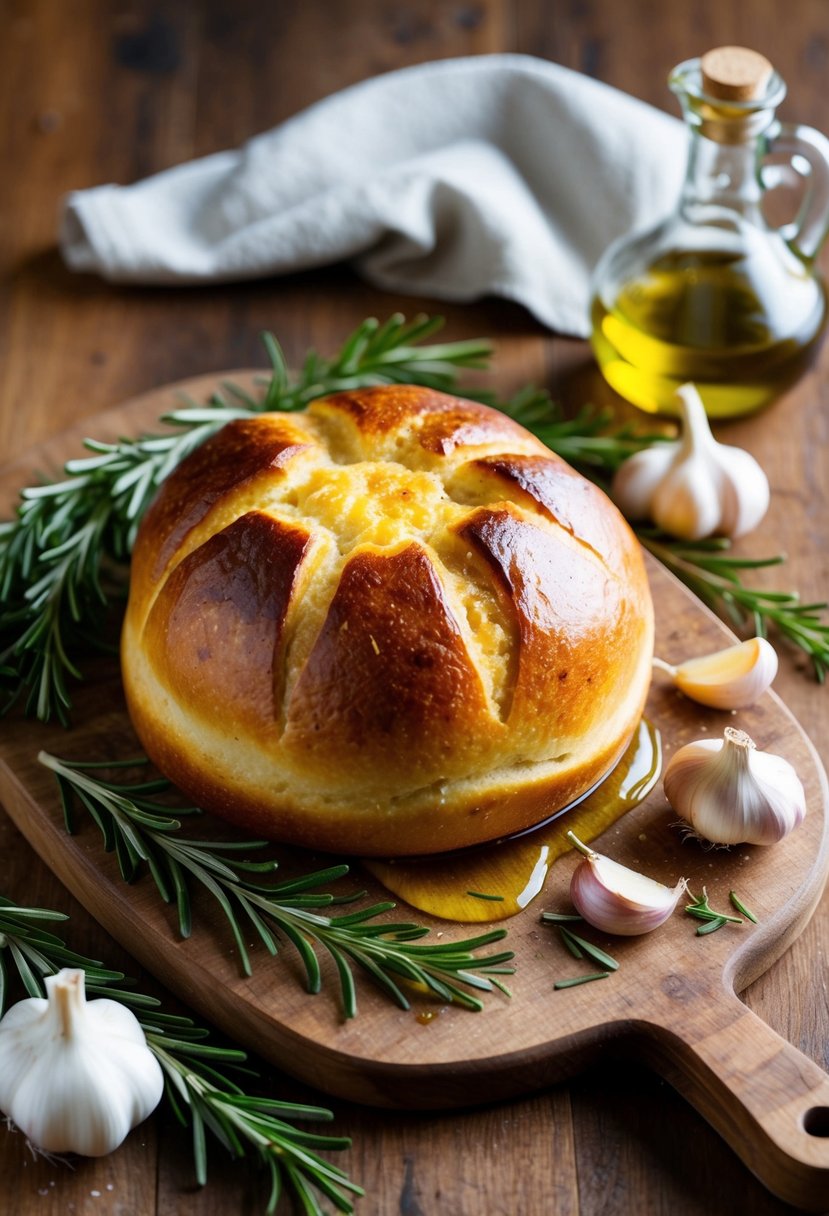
{"points": [[714, 294], [701, 316]]}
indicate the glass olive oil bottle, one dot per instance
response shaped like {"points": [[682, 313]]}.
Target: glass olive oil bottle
{"points": [[713, 294]]}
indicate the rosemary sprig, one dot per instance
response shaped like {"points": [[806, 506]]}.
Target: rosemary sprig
{"points": [[702, 910], [715, 575], [589, 440], [239, 1120], [143, 831], [390, 353], [198, 1092], [66, 535]]}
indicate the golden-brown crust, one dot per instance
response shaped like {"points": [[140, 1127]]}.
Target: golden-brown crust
{"points": [[442, 422], [434, 820], [567, 499], [576, 626], [246, 447], [393, 624], [389, 675], [217, 625]]}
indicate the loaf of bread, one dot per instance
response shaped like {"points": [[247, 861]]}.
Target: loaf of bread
{"points": [[393, 624]]}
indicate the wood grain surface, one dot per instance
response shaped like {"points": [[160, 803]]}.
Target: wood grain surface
{"points": [[109, 90]]}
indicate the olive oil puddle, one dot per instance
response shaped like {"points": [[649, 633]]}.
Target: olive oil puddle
{"points": [[496, 881]]}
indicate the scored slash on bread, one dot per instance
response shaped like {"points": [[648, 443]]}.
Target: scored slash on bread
{"points": [[394, 623]]}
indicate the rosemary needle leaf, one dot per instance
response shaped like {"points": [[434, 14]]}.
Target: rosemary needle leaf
{"points": [[598, 956], [148, 833], [581, 979], [740, 906], [561, 917], [10, 910], [570, 943], [30, 980], [711, 926]]}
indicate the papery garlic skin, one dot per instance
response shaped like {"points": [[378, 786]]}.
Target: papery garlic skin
{"points": [[75, 1077], [732, 793], [636, 479], [694, 487], [618, 900], [733, 678]]}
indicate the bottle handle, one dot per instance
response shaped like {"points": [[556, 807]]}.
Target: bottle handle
{"points": [[808, 157]]}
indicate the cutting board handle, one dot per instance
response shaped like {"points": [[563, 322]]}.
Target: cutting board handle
{"points": [[765, 1098]]}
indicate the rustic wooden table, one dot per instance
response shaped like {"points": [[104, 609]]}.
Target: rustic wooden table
{"points": [[110, 90]]}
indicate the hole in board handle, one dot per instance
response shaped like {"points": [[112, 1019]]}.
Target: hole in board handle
{"points": [[816, 1121]]}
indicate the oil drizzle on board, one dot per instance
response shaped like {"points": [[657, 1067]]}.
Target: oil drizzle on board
{"points": [[498, 880]]}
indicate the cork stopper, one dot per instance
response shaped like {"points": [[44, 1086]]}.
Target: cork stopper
{"points": [[734, 73]]}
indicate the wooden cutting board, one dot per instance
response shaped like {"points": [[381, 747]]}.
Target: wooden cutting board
{"points": [[672, 1003]]}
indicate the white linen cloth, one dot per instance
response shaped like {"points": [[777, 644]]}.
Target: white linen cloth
{"points": [[498, 174]]}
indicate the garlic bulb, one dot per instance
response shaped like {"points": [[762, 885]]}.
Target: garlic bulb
{"points": [[617, 900], [733, 678], [75, 1077], [731, 793], [695, 486]]}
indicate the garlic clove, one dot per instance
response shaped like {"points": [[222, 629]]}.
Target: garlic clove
{"points": [[733, 678], [745, 494], [732, 793], [693, 487], [75, 1076], [635, 481], [616, 899], [686, 503]]}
